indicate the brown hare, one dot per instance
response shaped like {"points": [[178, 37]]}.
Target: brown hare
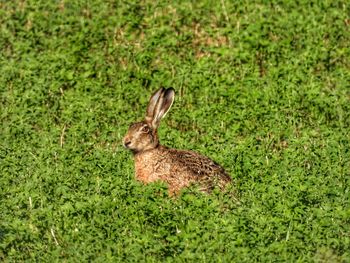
{"points": [[178, 168]]}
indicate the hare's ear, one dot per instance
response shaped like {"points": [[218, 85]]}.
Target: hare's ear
{"points": [[152, 104], [163, 106]]}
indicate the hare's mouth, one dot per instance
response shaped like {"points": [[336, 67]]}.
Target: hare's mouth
{"points": [[127, 145], [130, 146]]}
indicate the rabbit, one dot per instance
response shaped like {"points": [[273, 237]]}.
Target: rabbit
{"points": [[177, 168]]}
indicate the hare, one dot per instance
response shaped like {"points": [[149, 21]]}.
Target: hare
{"points": [[177, 168]]}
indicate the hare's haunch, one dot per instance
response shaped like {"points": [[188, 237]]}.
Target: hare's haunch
{"points": [[178, 168]]}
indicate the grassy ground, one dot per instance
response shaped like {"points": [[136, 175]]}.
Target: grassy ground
{"points": [[261, 88]]}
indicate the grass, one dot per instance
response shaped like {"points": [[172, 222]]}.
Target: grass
{"points": [[262, 88]]}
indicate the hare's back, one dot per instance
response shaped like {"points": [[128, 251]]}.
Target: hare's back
{"points": [[199, 166]]}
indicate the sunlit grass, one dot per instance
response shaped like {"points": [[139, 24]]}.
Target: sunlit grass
{"points": [[261, 88]]}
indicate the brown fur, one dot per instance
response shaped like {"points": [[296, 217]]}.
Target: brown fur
{"points": [[178, 168]]}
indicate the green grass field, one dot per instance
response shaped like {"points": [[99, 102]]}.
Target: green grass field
{"points": [[262, 88]]}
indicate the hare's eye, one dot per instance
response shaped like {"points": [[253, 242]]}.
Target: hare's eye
{"points": [[145, 129]]}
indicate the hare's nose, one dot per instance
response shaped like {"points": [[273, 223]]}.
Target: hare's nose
{"points": [[127, 143]]}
